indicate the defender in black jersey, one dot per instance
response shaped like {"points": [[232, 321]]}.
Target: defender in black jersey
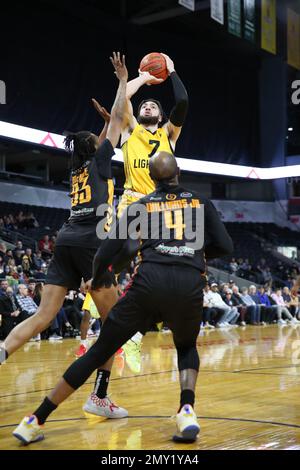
{"points": [[77, 242], [170, 281]]}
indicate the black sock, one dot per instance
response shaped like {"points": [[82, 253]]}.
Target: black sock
{"points": [[3, 355], [101, 383], [187, 397], [44, 410]]}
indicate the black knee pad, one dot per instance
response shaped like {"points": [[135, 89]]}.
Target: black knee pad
{"points": [[188, 357]]}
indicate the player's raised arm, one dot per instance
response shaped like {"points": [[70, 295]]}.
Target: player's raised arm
{"points": [[178, 113], [144, 78], [118, 109]]}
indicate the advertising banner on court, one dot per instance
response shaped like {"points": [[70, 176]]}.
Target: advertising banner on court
{"points": [[249, 20], [293, 38], [234, 17], [217, 10], [268, 25]]}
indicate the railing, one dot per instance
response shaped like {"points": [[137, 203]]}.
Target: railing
{"points": [[224, 276], [12, 236]]}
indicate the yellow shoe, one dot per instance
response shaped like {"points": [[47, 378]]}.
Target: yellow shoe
{"points": [[29, 430], [132, 351], [187, 424]]}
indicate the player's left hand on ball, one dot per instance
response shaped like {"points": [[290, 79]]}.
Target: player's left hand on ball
{"points": [[169, 63]]}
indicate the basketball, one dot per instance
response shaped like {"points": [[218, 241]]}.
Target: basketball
{"points": [[155, 64]]}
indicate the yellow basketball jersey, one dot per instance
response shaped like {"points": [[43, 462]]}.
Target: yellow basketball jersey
{"points": [[140, 146], [89, 305]]}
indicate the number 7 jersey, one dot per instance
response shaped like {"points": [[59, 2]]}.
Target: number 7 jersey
{"points": [[139, 147]]}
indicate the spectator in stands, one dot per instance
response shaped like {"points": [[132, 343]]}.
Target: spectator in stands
{"points": [[19, 219], [279, 270], [282, 310], [30, 221], [10, 223], [1, 223], [26, 303], [11, 264], [222, 289], [209, 313], [214, 300], [255, 310], [3, 249], [228, 300], [38, 260], [18, 257], [19, 247], [239, 304], [233, 266], [40, 273], [263, 263], [3, 287], [45, 246], [10, 311], [27, 262], [22, 278], [38, 293], [289, 282], [8, 256], [267, 275], [252, 291], [31, 287], [269, 311], [72, 306]]}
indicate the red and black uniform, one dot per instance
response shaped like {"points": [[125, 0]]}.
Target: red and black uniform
{"points": [[77, 241]]}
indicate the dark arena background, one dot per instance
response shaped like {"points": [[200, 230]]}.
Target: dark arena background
{"points": [[239, 61]]}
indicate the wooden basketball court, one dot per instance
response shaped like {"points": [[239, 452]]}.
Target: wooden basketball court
{"points": [[247, 394]]}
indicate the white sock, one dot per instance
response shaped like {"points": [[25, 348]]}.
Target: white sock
{"points": [[84, 342]]}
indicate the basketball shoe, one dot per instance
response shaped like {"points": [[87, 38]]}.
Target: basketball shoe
{"points": [[132, 351], [187, 424], [29, 430], [104, 407], [81, 350]]}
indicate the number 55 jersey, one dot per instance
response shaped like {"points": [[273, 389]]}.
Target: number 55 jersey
{"points": [[91, 186]]}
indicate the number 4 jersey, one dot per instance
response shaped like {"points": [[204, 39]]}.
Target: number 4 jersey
{"points": [[91, 186], [140, 146]]}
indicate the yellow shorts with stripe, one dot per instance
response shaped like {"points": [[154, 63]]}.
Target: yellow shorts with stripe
{"points": [[128, 197]]}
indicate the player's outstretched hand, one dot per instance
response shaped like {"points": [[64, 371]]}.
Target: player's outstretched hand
{"points": [[101, 110], [119, 66]]}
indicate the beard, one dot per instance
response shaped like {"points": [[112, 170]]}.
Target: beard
{"points": [[148, 120]]}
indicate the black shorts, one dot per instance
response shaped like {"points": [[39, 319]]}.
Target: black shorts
{"points": [[172, 294], [71, 264]]}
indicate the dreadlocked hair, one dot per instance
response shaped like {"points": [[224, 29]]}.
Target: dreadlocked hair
{"points": [[81, 146]]}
